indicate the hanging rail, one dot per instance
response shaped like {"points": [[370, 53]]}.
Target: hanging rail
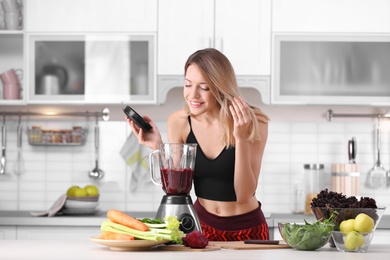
{"points": [[330, 115], [105, 114]]}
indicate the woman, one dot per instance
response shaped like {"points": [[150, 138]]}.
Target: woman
{"points": [[231, 137]]}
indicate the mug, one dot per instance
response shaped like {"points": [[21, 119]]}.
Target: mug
{"points": [[12, 76], [12, 21], [10, 6], [11, 91]]}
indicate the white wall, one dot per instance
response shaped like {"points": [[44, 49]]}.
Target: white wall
{"points": [[297, 135]]}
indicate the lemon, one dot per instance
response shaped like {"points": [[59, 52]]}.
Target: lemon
{"points": [[363, 223], [353, 240], [71, 190], [347, 226], [92, 190]]}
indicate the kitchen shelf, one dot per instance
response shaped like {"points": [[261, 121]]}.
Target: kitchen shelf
{"points": [[61, 137]]}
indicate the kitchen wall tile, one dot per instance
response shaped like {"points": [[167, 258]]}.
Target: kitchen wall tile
{"points": [[278, 138], [7, 186], [32, 206], [30, 195], [331, 127], [9, 205], [51, 170], [8, 196], [304, 128]]}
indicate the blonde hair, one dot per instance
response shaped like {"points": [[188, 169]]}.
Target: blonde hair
{"points": [[221, 80]]}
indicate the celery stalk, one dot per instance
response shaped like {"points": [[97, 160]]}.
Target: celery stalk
{"points": [[154, 234]]}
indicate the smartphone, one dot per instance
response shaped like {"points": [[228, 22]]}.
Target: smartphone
{"points": [[136, 118]]}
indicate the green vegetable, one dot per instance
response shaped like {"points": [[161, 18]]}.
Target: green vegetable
{"points": [[158, 230], [308, 236]]}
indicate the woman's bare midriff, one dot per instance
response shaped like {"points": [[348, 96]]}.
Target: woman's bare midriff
{"points": [[228, 208]]}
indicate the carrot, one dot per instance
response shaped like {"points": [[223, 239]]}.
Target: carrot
{"points": [[108, 235], [119, 217]]}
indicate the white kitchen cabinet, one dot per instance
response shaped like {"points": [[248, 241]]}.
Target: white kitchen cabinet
{"points": [[240, 29], [7, 232], [92, 68], [12, 55], [91, 16], [353, 16], [56, 232], [322, 69], [108, 50]]}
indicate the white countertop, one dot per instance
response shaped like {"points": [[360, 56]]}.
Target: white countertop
{"points": [[85, 249], [24, 218]]}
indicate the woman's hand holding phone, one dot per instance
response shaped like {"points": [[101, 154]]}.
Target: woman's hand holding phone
{"points": [[150, 138]]}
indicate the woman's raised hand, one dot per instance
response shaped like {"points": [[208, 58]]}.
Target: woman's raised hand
{"points": [[241, 117], [151, 139]]}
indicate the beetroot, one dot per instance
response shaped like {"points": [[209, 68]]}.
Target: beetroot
{"points": [[195, 239]]}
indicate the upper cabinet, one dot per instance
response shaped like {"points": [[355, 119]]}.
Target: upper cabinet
{"points": [[240, 29], [12, 52], [330, 52], [91, 16], [92, 68], [325, 16], [81, 51], [331, 69]]}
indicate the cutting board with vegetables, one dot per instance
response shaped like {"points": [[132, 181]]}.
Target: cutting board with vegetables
{"points": [[240, 245], [186, 248]]}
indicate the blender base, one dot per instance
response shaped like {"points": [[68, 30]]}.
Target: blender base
{"points": [[182, 207]]}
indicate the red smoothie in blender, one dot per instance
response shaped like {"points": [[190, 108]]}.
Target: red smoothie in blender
{"points": [[176, 182]]}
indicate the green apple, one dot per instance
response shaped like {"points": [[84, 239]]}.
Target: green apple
{"points": [[364, 223], [353, 240], [347, 226], [92, 190], [71, 190], [80, 192]]}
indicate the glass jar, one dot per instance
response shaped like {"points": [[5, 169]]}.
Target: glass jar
{"points": [[35, 134], [76, 134], [313, 174]]}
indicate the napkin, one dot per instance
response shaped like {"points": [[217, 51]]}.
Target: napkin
{"points": [[56, 207], [137, 157]]}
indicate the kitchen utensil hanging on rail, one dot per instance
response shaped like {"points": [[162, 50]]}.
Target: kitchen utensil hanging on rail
{"points": [[3, 146], [19, 164], [377, 177], [96, 173]]}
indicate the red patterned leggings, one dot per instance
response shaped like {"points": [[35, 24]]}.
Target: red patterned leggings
{"points": [[251, 225]]}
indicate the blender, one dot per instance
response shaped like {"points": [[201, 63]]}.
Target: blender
{"points": [[176, 163]]}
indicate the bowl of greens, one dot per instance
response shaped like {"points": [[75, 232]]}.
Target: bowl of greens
{"points": [[306, 236]]}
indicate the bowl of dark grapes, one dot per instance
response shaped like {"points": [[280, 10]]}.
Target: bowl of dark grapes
{"points": [[350, 213]]}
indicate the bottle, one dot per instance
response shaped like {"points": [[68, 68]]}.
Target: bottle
{"points": [[313, 174]]}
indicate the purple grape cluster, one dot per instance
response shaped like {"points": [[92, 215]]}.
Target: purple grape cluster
{"points": [[331, 199]]}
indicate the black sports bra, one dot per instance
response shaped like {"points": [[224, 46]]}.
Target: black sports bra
{"points": [[213, 178]]}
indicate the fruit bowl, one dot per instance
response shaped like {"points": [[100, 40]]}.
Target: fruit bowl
{"points": [[84, 198], [322, 213], [75, 204], [352, 241], [306, 236]]}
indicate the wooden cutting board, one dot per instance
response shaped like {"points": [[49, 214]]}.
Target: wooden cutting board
{"points": [[240, 245], [186, 248]]}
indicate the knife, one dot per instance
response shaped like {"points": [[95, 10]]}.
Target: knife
{"points": [[267, 242]]}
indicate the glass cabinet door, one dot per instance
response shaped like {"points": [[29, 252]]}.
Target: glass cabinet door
{"points": [[332, 69], [96, 68]]}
